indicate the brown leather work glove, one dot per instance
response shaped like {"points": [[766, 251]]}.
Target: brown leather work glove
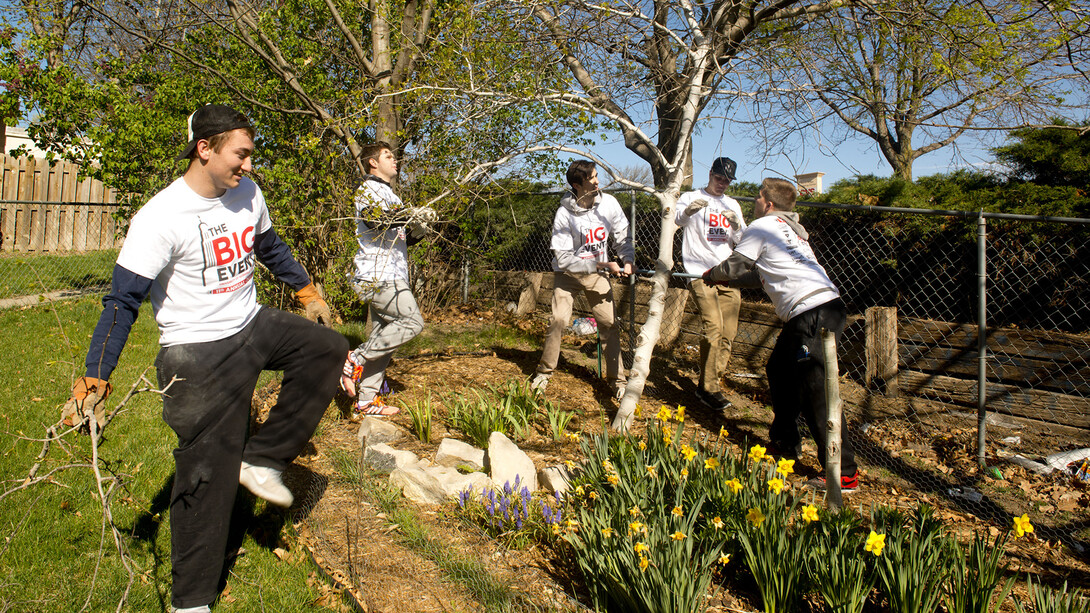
{"points": [[88, 400], [314, 305]]}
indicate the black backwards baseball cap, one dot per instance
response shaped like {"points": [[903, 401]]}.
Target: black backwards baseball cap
{"points": [[724, 167], [210, 120]]}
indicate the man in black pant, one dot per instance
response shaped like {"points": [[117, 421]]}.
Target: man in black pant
{"points": [[193, 248], [774, 253]]}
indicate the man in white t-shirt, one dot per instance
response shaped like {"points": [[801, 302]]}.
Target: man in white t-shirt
{"points": [[193, 248], [582, 228], [711, 223], [774, 253], [385, 227]]}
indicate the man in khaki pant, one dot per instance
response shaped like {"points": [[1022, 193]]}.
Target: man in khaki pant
{"points": [[711, 224], [583, 224]]}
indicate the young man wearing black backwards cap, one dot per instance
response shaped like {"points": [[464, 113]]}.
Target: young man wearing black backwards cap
{"points": [[193, 248], [711, 223]]}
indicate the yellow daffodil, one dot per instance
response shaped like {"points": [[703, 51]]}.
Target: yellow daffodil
{"points": [[667, 439], [664, 414], [735, 485], [636, 527], [724, 559], [875, 543], [639, 411], [607, 466], [556, 529], [722, 432], [785, 467], [1022, 526], [677, 536], [613, 479], [571, 524], [757, 453], [640, 547], [677, 511], [650, 470], [593, 495], [809, 513], [607, 532], [681, 413], [711, 464], [579, 490], [569, 464], [688, 452], [775, 485], [718, 523], [643, 446], [755, 516], [634, 511], [684, 472], [643, 563], [572, 436]]}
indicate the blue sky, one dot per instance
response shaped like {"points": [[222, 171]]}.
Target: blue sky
{"points": [[838, 161]]}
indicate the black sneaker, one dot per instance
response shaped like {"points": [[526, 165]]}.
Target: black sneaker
{"points": [[716, 401], [848, 483]]}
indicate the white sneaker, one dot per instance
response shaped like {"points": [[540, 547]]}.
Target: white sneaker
{"points": [[539, 382], [200, 609], [265, 483]]}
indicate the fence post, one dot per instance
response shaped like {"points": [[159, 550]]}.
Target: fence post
{"points": [[833, 495], [465, 282], [880, 348], [633, 276], [982, 336]]}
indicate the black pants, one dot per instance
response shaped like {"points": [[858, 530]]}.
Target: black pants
{"points": [[208, 407], [796, 378]]}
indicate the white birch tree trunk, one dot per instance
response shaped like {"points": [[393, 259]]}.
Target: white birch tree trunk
{"points": [[649, 333]]}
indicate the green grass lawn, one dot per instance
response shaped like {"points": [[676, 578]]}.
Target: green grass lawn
{"points": [[54, 555], [26, 274]]}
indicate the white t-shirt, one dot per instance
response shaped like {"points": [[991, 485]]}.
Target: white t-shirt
{"points": [[580, 237], [707, 237], [382, 254], [199, 252], [789, 271]]}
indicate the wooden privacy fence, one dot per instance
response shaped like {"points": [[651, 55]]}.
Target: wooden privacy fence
{"points": [[46, 208], [1035, 375]]}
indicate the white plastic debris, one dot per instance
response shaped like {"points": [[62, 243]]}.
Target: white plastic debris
{"points": [[1011, 440], [1059, 461], [965, 493], [584, 326]]}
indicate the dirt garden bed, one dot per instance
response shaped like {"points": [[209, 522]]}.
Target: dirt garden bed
{"points": [[366, 555]]}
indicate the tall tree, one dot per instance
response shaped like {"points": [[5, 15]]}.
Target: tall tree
{"points": [[649, 69], [915, 75], [1055, 156]]}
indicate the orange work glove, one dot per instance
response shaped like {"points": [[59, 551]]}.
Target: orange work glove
{"points": [[88, 400], [314, 305]]}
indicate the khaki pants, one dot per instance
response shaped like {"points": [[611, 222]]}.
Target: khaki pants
{"points": [[599, 295], [719, 308]]}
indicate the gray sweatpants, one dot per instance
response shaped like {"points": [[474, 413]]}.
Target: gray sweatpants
{"points": [[395, 320]]}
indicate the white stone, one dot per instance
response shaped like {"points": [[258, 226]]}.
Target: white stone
{"points": [[554, 479], [374, 431], [506, 463], [419, 485], [386, 459], [453, 452]]}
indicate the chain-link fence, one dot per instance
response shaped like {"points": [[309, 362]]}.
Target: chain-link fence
{"points": [[966, 352]]}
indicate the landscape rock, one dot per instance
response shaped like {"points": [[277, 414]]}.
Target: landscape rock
{"points": [[554, 479], [386, 459], [419, 485], [374, 431], [454, 482], [506, 462], [454, 453]]}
